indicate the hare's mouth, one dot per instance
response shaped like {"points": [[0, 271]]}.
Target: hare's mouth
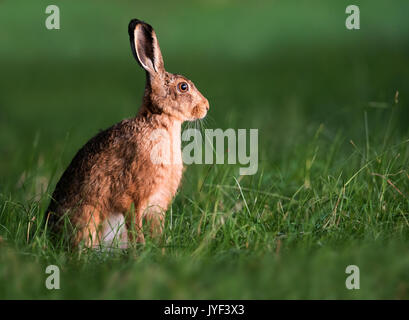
{"points": [[199, 112]]}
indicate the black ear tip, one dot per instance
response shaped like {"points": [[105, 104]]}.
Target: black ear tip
{"points": [[133, 23]]}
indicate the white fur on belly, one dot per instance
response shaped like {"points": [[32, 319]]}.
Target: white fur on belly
{"points": [[114, 233]]}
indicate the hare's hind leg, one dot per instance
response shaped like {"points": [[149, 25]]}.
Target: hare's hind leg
{"points": [[154, 216], [134, 226], [88, 222]]}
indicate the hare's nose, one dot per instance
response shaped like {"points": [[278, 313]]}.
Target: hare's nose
{"points": [[207, 104]]}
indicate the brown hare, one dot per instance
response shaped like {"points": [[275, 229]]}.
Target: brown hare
{"points": [[124, 164]]}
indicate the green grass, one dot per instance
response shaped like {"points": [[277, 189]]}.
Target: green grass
{"points": [[333, 182]]}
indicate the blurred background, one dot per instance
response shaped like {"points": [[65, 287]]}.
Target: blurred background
{"points": [[288, 68], [284, 67]]}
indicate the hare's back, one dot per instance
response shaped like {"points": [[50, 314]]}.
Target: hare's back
{"points": [[92, 169]]}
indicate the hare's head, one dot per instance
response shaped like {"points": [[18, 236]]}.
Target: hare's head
{"points": [[165, 93]]}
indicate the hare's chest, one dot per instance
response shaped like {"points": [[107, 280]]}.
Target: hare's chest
{"points": [[166, 157], [166, 148], [154, 186], [167, 180]]}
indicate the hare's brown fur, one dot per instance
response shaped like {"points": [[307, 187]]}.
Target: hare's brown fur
{"points": [[114, 169]]}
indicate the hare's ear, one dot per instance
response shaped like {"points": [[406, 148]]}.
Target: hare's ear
{"points": [[145, 47]]}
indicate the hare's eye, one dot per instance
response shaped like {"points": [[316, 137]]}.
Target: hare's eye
{"points": [[183, 86]]}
